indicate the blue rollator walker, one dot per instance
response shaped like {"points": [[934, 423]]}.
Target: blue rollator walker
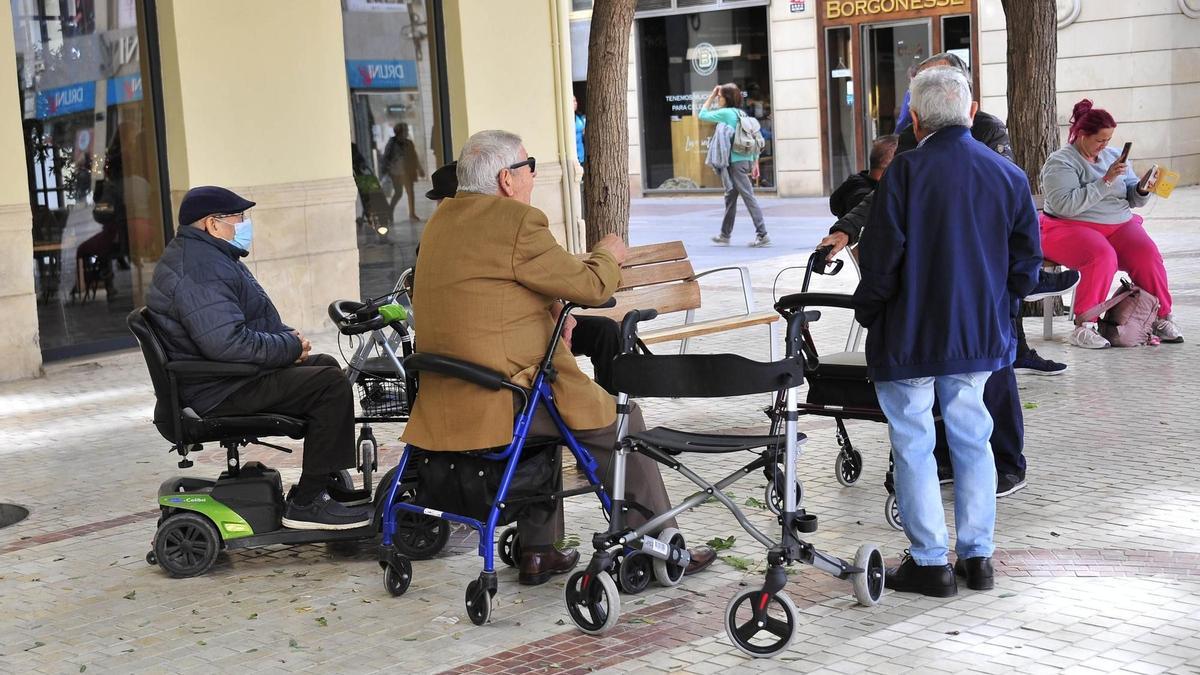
{"points": [[403, 502], [760, 621]]}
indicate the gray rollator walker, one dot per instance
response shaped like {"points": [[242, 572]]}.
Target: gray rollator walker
{"points": [[761, 622]]}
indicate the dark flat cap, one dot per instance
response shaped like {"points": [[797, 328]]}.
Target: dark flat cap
{"points": [[210, 200], [445, 182]]}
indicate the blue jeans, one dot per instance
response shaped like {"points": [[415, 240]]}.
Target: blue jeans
{"points": [[908, 405]]}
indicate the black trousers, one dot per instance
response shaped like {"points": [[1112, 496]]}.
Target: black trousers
{"points": [[1008, 425], [317, 392], [600, 339]]}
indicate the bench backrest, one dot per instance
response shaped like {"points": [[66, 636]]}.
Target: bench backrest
{"points": [[656, 276]]}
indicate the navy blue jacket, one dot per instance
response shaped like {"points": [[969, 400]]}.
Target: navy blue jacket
{"points": [[951, 247], [207, 305]]}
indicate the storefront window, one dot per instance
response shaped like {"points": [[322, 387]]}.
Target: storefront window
{"points": [[90, 156], [396, 138], [839, 88], [682, 57]]}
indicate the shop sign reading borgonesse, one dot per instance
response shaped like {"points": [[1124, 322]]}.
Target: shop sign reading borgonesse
{"points": [[838, 9]]}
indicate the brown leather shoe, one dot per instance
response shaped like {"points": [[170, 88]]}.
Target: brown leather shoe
{"points": [[538, 566], [702, 557]]}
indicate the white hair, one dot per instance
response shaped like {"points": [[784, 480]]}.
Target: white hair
{"points": [[942, 98], [483, 156]]}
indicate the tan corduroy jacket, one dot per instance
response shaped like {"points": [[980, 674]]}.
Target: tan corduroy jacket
{"points": [[487, 272]]}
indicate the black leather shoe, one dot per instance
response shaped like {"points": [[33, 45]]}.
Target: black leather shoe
{"points": [[978, 572], [934, 580], [702, 557], [538, 566]]}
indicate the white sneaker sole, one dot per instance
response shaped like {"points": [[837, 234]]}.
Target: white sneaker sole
{"points": [[1051, 294], [1016, 488], [308, 525], [1093, 346], [1043, 373]]}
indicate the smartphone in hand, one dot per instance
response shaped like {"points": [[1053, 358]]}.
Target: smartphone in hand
{"points": [[1125, 151], [1149, 180]]}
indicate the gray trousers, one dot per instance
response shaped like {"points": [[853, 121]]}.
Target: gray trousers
{"points": [[736, 179], [541, 528]]}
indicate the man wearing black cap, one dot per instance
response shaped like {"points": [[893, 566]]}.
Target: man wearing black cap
{"points": [[207, 306]]}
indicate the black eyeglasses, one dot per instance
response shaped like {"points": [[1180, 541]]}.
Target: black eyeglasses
{"points": [[532, 162]]}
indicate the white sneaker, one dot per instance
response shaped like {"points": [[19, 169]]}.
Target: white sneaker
{"points": [[761, 241], [1166, 330], [721, 240], [1085, 336]]}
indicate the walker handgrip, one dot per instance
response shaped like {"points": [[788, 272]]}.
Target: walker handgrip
{"points": [[629, 327]]}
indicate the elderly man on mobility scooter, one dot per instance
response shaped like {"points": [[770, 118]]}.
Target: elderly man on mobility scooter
{"points": [[207, 305], [489, 273]]}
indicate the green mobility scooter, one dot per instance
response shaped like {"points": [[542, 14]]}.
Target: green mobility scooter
{"points": [[243, 507]]}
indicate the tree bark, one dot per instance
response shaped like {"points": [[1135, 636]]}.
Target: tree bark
{"points": [[606, 136], [1032, 27]]}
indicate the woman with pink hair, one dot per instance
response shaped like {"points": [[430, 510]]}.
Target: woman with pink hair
{"points": [[1088, 225]]}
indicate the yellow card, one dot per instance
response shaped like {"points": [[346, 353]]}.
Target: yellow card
{"points": [[1166, 182]]}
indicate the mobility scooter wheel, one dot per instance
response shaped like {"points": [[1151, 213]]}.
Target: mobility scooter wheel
{"points": [[592, 601], [479, 602], [868, 584], [418, 537], [849, 465], [186, 544], [668, 573], [509, 547], [891, 513], [396, 578], [760, 624], [635, 572]]}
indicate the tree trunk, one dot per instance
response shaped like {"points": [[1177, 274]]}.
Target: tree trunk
{"points": [[1032, 27], [606, 136]]}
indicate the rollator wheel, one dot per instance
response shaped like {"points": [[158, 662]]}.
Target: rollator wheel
{"points": [[668, 573], [479, 603], [848, 467], [592, 601], [868, 585], [186, 544], [418, 537], [150, 559], [396, 578], [891, 513], [343, 479], [635, 572], [767, 634], [509, 547], [774, 500]]}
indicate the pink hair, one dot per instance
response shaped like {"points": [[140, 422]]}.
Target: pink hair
{"points": [[1087, 120]]}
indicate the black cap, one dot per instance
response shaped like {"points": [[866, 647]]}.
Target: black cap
{"points": [[445, 182], [210, 200]]}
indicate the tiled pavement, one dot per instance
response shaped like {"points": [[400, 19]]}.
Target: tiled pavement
{"points": [[1099, 558]]}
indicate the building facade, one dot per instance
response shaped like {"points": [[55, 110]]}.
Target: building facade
{"points": [[332, 115]]}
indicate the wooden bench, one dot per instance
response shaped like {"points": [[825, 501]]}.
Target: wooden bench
{"points": [[660, 276]]}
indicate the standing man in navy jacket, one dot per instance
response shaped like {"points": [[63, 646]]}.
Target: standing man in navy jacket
{"points": [[951, 246], [206, 305]]}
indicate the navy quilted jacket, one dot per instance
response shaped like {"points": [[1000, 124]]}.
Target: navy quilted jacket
{"points": [[207, 305]]}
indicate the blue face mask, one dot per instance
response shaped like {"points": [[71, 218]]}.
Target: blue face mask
{"points": [[243, 234]]}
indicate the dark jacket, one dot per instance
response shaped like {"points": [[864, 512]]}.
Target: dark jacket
{"points": [[951, 247], [851, 192], [207, 305], [987, 129]]}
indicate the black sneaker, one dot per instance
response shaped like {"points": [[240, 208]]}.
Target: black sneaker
{"points": [[1031, 363], [934, 580], [325, 514], [1009, 483], [1053, 283], [978, 572], [945, 475], [340, 494]]}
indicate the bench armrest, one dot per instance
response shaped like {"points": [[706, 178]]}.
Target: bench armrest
{"points": [[747, 289], [203, 370]]}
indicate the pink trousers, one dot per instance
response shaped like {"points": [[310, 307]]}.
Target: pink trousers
{"points": [[1097, 251]]}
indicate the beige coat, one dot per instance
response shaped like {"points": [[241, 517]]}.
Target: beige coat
{"points": [[487, 273]]}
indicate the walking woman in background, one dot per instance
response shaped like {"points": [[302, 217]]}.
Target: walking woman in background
{"points": [[1088, 224], [723, 108]]}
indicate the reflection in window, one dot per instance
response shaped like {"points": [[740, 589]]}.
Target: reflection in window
{"points": [[682, 58]]}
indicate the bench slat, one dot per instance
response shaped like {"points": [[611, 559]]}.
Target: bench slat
{"points": [[699, 328], [655, 253], [659, 273], [666, 298]]}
